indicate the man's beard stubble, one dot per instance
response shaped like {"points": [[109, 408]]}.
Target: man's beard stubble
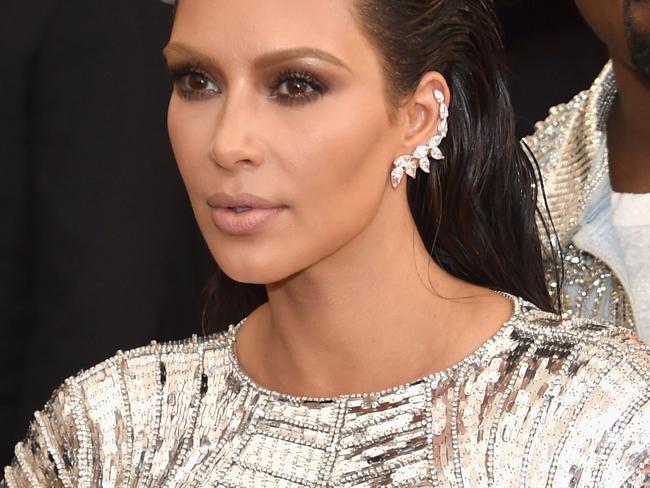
{"points": [[638, 35]]}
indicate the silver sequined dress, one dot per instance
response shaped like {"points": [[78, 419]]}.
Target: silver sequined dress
{"points": [[542, 403]]}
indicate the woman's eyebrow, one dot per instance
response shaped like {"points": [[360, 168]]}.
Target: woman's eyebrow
{"points": [[263, 61], [194, 55], [283, 55]]}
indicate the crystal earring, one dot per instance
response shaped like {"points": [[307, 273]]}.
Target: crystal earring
{"points": [[410, 163]]}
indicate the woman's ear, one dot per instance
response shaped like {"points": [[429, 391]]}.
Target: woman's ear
{"points": [[423, 111]]}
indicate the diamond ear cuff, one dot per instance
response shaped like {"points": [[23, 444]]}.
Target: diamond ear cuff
{"points": [[410, 163]]}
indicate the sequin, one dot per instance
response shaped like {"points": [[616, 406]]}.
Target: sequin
{"points": [[566, 146], [545, 402]]}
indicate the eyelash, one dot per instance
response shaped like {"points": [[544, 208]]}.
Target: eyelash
{"points": [[318, 88], [180, 77]]}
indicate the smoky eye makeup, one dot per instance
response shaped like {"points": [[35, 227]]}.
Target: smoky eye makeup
{"points": [[292, 86], [288, 86], [193, 83]]}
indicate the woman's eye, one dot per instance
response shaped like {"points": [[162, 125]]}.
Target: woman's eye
{"points": [[297, 87], [195, 84]]}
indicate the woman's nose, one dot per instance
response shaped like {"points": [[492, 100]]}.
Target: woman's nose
{"points": [[235, 141]]}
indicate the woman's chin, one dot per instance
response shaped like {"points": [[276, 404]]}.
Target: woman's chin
{"points": [[255, 273]]}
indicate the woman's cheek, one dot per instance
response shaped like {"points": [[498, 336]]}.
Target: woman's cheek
{"points": [[190, 142]]}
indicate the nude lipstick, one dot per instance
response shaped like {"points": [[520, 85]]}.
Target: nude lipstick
{"points": [[242, 214]]}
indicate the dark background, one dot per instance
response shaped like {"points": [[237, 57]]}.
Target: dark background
{"points": [[552, 55], [98, 247]]}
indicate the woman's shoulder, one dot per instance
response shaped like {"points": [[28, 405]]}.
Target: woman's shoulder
{"points": [[583, 346], [561, 337], [149, 369], [583, 396], [161, 362], [118, 402]]}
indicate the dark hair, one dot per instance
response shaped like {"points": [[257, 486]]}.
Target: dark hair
{"points": [[476, 211]]}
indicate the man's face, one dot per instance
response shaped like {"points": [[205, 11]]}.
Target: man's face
{"points": [[624, 26], [637, 29]]}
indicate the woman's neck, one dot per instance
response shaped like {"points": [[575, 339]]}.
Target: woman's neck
{"points": [[376, 313]]}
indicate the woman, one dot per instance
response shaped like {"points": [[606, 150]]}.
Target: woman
{"points": [[378, 352]]}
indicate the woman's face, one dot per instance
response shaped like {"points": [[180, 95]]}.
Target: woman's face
{"points": [[280, 128]]}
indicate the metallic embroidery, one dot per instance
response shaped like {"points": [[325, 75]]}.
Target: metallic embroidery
{"points": [[543, 403], [566, 146]]}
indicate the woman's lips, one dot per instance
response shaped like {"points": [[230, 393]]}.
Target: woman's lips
{"points": [[242, 214]]}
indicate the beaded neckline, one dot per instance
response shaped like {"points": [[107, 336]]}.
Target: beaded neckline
{"points": [[243, 377]]}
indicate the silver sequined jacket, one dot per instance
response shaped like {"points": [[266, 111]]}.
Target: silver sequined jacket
{"points": [[571, 148], [542, 403]]}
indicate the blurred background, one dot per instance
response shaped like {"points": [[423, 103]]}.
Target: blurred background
{"points": [[98, 247]]}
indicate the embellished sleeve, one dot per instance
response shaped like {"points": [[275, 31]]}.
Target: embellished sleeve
{"points": [[124, 422], [49, 454], [641, 477], [626, 447], [85, 435], [634, 451]]}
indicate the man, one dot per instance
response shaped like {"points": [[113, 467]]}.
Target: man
{"points": [[595, 157]]}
